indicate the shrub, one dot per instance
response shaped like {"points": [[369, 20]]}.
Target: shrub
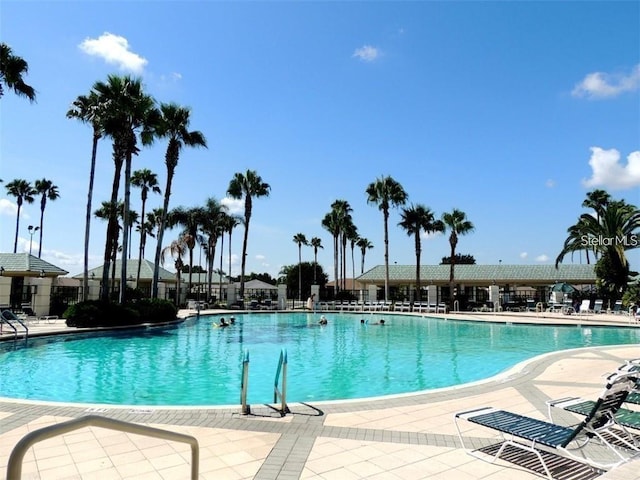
{"points": [[97, 313]]}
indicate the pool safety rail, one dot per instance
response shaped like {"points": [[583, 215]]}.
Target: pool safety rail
{"points": [[244, 386], [7, 317], [281, 394], [278, 393], [14, 467]]}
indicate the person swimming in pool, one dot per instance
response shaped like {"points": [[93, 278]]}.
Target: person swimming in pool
{"points": [[323, 320]]}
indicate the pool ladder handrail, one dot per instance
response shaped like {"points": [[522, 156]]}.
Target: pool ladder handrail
{"points": [[14, 466], [244, 386], [282, 394], [8, 317]]}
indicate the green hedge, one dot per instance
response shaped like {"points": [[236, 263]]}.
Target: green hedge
{"points": [[96, 313]]}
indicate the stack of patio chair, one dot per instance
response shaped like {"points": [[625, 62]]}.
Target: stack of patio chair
{"points": [[601, 425]]}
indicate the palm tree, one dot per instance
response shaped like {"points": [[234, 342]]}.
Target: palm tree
{"points": [[24, 192], [331, 223], [415, 220], [89, 109], [213, 226], [300, 239], [48, 190], [386, 193], [598, 201], [146, 181], [611, 236], [177, 249], [174, 126], [351, 235], [231, 222], [247, 185], [364, 245], [191, 219], [316, 243], [130, 112], [456, 224], [12, 68], [341, 215]]}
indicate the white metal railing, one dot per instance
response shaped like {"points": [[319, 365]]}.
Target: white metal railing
{"points": [[8, 317], [14, 467], [244, 387], [282, 394]]}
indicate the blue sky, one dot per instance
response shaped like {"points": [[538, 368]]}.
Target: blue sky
{"points": [[509, 111]]}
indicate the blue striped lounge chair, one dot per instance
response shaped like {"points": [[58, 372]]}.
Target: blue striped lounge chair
{"points": [[535, 436]]}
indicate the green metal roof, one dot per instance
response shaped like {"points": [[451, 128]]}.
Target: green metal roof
{"points": [[483, 274], [26, 265], [146, 271]]}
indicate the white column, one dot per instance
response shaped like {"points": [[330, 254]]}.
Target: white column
{"points": [[282, 296]]}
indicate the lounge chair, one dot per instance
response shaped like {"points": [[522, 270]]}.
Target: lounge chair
{"points": [[597, 306], [535, 436], [531, 305], [617, 308], [585, 307]]}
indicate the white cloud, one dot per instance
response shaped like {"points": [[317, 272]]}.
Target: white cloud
{"points": [[260, 257], [550, 183], [8, 208], [608, 172], [234, 206], [114, 50], [542, 258], [431, 235], [366, 53], [607, 85], [524, 255]]}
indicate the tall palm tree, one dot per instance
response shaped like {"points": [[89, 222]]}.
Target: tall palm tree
{"points": [[598, 201], [173, 125], [24, 192], [331, 223], [386, 193], [300, 239], [12, 69], [247, 185], [130, 112], [340, 219], [364, 245], [316, 243], [213, 226], [456, 224], [610, 236], [191, 219], [177, 249], [415, 220], [351, 235], [146, 181], [231, 222], [49, 191], [89, 109]]}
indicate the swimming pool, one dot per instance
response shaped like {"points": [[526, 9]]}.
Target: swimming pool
{"points": [[196, 364]]}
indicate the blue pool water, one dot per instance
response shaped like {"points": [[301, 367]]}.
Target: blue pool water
{"points": [[196, 364]]}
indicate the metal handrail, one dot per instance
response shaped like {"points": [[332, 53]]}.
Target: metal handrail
{"points": [[244, 387], [282, 367], [9, 321], [14, 467]]}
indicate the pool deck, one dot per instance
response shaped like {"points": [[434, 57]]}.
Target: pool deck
{"points": [[402, 437]]}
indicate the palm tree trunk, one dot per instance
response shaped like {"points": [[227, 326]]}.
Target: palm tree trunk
{"points": [[43, 204], [125, 227], [87, 226], [220, 273], [112, 225], [418, 253], [143, 235], [163, 223], [386, 255], [15, 243]]}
